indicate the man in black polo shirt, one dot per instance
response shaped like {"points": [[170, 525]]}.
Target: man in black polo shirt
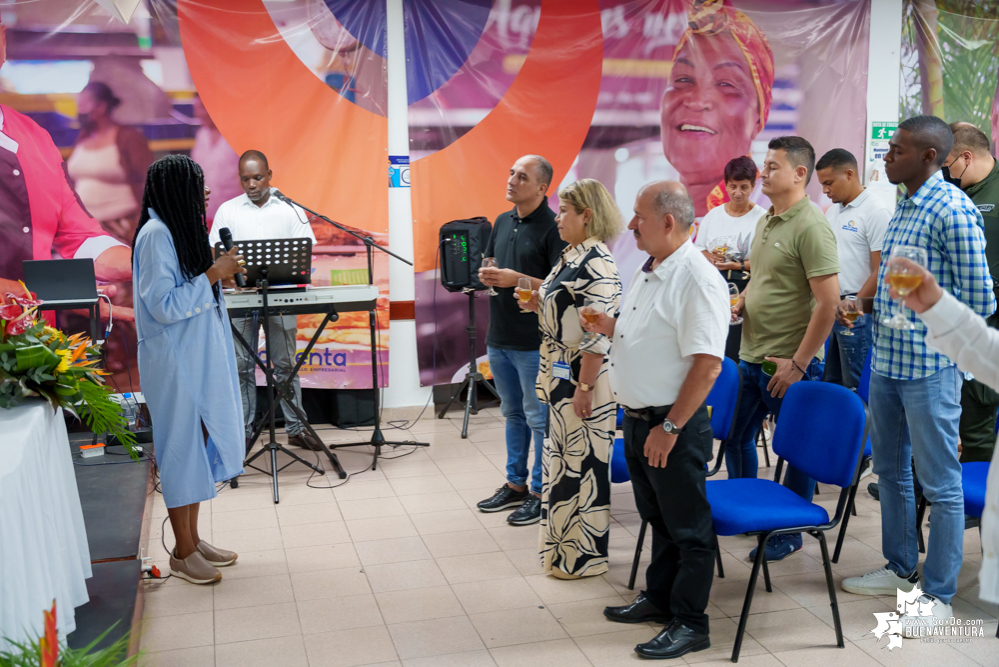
{"points": [[974, 170], [525, 242]]}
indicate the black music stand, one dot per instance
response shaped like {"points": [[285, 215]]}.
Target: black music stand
{"points": [[377, 438], [291, 261]]}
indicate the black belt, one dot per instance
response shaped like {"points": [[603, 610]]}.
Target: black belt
{"points": [[648, 414]]}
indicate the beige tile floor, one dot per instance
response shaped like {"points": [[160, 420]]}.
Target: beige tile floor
{"points": [[397, 567]]}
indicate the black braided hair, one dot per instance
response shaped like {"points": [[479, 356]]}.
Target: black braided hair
{"points": [[175, 189]]}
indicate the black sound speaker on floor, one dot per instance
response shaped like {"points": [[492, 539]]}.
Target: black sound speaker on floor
{"points": [[462, 244]]}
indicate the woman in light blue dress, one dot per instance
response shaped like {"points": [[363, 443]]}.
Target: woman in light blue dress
{"points": [[187, 364]]}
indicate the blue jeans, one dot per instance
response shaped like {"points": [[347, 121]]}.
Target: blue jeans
{"points": [[918, 420], [845, 361], [516, 373], [754, 404]]}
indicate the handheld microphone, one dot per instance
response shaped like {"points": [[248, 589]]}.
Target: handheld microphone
{"points": [[226, 237]]}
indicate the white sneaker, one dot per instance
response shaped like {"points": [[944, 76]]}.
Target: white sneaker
{"points": [[932, 614], [881, 581]]}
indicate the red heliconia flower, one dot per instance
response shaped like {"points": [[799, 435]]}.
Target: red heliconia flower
{"points": [[24, 301], [50, 642], [18, 327]]}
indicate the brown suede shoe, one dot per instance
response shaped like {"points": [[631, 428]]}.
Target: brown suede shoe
{"points": [[215, 556], [194, 568], [305, 441]]}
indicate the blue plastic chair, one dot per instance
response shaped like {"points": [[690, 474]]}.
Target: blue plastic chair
{"points": [[822, 431], [973, 479], [723, 399], [864, 392]]}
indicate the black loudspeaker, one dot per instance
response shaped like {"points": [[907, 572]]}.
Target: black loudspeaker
{"points": [[462, 243]]}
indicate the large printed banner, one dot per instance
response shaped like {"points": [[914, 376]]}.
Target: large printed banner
{"points": [[950, 62], [208, 78], [623, 91]]}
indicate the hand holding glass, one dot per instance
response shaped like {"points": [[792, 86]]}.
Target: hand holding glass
{"points": [[524, 290], [490, 263], [590, 313], [733, 299], [904, 279], [851, 311]]}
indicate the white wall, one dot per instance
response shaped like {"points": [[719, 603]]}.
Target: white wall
{"points": [[404, 388], [884, 65]]}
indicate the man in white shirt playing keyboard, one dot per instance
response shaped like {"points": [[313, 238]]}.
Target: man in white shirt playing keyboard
{"points": [[257, 215]]}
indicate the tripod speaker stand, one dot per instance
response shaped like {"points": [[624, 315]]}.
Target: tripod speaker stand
{"points": [[473, 376]]}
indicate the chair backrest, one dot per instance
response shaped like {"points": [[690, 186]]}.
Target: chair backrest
{"points": [[724, 399], [822, 429], [618, 466], [864, 388]]}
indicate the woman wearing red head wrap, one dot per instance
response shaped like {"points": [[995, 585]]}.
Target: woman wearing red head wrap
{"points": [[718, 98]]}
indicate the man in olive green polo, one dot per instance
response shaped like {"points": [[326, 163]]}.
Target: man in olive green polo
{"points": [[788, 309], [976, 172]]}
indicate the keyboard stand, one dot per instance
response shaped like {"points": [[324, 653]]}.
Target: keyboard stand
{"points": [[284, 391]]}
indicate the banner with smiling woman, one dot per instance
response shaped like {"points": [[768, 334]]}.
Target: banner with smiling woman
{"points": [[625, 92]]}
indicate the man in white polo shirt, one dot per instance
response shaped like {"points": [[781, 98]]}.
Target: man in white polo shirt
{"points": [[255, 215], [668, 345], [859, 220]]}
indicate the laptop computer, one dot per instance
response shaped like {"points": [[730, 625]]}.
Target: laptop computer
{"points": [[64, 284]]}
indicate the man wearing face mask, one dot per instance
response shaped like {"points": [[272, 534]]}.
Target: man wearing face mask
{"points": [[258, 215], [970, 167]]}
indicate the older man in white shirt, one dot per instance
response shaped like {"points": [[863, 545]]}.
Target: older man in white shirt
{"points": [[668, 346], [257, 215]]}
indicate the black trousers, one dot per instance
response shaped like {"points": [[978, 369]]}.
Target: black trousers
{"points": [[674, 502], [979, 404]]}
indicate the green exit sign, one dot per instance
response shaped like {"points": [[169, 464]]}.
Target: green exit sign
{"points": [[883, 131]]}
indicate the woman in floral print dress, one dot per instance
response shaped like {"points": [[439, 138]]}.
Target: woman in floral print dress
{"points": [[573, 382]]}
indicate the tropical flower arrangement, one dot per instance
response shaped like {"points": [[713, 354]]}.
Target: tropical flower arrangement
{"points": [[46, 652], [38, 360]]}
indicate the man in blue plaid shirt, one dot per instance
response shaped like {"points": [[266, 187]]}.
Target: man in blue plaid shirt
{"points": [[915, 393]]}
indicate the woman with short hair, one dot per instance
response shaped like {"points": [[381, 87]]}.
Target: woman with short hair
{"points": [[726, 232]]}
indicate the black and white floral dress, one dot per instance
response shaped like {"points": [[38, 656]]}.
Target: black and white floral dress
{"points": [[575, 497]]}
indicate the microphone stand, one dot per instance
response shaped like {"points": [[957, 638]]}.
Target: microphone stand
{"points": [[377, 438]]}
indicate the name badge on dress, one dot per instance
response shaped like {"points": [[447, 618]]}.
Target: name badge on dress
{"points": [[561, 371]]}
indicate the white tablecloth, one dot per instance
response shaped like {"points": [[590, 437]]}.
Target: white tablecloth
{"points": [[43, 542]]}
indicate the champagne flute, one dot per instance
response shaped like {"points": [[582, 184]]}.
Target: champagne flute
{"points": [[591, 313], [733, 298], [524, 290], [904, 280], [490, 263], [851, 311]]}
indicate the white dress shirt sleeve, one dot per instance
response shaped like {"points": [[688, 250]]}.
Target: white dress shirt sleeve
{"points": [[223, 218], [704, 320], [877, 226], [95, 245]]}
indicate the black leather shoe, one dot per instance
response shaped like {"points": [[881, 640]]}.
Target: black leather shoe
{"points": [[639, 611], [528, 513], [872, 489], [676, 639], [503, 499]]}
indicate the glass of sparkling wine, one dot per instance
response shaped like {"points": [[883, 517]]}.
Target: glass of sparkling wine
{"points": [[524, 290], [733, 298], [591, 313], [851, 311], [904, 279], [490, 263]]}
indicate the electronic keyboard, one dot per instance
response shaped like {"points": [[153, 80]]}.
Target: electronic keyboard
{"points": [[311, 300]]}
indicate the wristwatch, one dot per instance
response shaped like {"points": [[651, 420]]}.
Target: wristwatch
{"points": [[585, 387], [670, 427]]}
